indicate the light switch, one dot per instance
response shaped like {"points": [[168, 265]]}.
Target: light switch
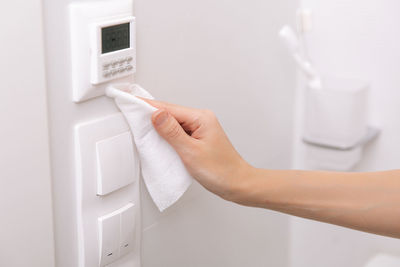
{"points": [[117, 165], [109, 230], [127, 238], [92, 137]]}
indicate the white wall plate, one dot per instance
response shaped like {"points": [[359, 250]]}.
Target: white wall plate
{"points": [[116, 163], [91, 206], [95, 63]]}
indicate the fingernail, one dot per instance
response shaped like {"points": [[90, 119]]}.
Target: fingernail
{"points": [[161, 117]]}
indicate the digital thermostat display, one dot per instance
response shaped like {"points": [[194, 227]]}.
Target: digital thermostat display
{"points": [[115, 38]]}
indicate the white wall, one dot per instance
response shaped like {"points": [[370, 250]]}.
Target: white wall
{"points": [[223, 55], [26, 231], [360, 39]]}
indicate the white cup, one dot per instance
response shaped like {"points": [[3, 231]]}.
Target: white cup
{"points": [[336, 114]]}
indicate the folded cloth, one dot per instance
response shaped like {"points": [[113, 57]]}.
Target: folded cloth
{"points": [[164, 174]]}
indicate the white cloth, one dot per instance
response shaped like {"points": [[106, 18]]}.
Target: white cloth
{"points": [[164, 174]]}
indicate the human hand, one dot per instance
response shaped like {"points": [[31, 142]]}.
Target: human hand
{"points": [[204, 148]]}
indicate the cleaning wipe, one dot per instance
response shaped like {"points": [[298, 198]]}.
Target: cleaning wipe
{"points": [[164, 174]]}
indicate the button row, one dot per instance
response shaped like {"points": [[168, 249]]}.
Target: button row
{"points": [[120, 62], [116, 71]]}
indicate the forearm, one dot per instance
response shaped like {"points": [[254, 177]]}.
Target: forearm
{"points": [[364, 201]]}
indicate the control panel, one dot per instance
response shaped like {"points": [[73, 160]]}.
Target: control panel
{"points": [[113, 50], [107, 169], [103, 46]]}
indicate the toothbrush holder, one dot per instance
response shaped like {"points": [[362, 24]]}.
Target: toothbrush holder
{"points": [[336, 113]]}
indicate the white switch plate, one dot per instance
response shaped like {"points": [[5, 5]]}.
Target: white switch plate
{"points": [[109, 237], [117, 163], [117, 234], [90, 206], [84, 17]]}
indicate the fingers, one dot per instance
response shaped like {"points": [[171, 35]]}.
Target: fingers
{"points": [[182, 114], [169, 128]]}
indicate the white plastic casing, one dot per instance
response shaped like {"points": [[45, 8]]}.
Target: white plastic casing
{"points": [[110, 133], [113, 65], [116, 234], [109, 230], [117, 165], [86, 19]]}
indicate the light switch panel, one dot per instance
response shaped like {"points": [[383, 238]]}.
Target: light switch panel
{"points": [[117, 164], [116, 234], [109, 230], [106, 140]]}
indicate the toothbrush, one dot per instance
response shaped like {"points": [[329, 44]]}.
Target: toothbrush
{"points": [[288, 35]]}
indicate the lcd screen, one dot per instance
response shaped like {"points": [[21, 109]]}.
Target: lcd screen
{"points": [[115, 38]]}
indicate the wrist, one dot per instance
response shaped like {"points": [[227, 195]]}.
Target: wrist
{"points": [[245, 183]]}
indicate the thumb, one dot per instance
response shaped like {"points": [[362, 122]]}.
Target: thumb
{"points": [[169, 128]]}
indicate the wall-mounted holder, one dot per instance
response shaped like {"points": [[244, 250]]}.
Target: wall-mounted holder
{"points": [[336, 113], [326, 157], [336, 123]]}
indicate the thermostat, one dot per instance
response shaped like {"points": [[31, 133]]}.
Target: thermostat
{"points": [[113, 50], [103, 50]]}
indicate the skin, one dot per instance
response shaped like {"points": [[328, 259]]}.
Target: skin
{"points": [[367, 202]]}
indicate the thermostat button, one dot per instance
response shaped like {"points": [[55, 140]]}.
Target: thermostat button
{"points": [[114, 63]]}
